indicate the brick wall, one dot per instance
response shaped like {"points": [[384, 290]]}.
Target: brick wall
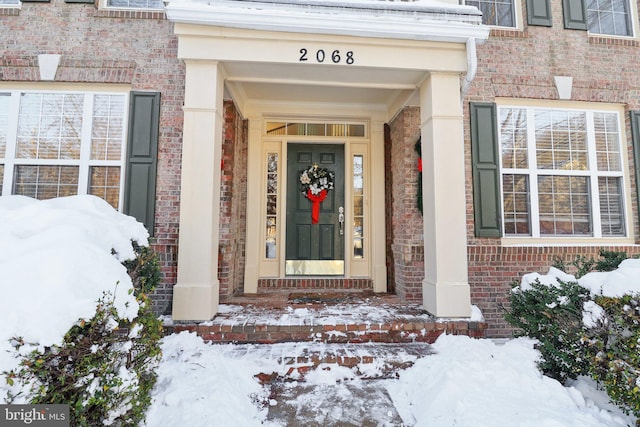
{"points": [[233, 203], [137, 49], [522, 65], [405, 248]]}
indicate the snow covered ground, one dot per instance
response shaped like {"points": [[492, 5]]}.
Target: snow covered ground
{"points": [[55, 262]]}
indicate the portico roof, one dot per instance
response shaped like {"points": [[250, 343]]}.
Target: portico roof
{"points": [[308, 42]]}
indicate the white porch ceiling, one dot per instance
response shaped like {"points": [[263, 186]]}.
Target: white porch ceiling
{"points": [[380, 89]]}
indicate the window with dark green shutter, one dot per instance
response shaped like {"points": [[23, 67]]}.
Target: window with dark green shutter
{"points": [[142, 153], [485, 166]]}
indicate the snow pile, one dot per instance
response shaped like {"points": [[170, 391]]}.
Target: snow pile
{"points": [[478, 383], [57, 257], [466, 383], [625, 280], [203, 385]]}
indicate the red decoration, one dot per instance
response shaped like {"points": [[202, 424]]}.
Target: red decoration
{"points": [[419, 164], [316, 199]]}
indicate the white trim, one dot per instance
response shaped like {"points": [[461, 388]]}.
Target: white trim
{"points": [[433, 21]]}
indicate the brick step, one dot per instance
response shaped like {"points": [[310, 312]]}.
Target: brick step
{"points": [[327, 317], [401, 331]]}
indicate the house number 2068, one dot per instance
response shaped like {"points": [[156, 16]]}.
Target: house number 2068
{"points": [[321, 56]]}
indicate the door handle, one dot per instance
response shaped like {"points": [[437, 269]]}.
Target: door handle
{"points": [[341, 219]]}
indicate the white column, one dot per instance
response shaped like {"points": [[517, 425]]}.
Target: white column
{"points": [[196, 294], [445, 288]]}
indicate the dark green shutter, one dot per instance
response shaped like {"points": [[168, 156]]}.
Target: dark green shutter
{"points": [[142, 154], [575, 14], [635, 136], [486, 172], [539, 12]]}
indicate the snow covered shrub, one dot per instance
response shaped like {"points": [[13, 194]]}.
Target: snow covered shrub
{"points": [[586, 326], [105, 367], [553, 315], [616, 359]]}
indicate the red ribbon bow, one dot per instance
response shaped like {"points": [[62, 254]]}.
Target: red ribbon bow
{"points": [[316, 199]]}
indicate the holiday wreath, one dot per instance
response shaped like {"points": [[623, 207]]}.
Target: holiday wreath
{"points": [[316, 183]]}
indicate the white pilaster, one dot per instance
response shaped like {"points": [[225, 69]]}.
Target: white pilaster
{"points": [[379, 256], [445, 288], [195, 296]]}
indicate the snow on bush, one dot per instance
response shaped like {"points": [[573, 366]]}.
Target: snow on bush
{"points": [[586, 325], [67, 292]]}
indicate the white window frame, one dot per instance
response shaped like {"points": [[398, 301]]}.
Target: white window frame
{"points": [[84, 163], [104, 4], [16, 4], [596, 238]]}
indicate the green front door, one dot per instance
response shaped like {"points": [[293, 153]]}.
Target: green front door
{"points": [[315, 249]]}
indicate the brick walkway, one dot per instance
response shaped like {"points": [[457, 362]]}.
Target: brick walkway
{"points": [[346, 317]]}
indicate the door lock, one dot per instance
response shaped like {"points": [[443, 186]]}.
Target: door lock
{"points": [[341, 219]]}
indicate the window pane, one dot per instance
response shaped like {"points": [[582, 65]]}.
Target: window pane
{"points": [[45, 182], [609, 17], [611, 213], [1, 178], [276, 128], [335, 130], [272, 205], [564, 205], [296, 128], [561, 140], [9, 2], [107, 131], [49, 126], [315, 129], [104, 182], [513, 134], [516, 204], [607, 142], [355, 130], [358, 206]]}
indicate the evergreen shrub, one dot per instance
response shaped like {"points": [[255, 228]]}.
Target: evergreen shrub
{"points": [[105, 367], [584, 334]]}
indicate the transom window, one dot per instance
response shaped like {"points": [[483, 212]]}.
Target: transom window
{"points": [[562, 173], [61, 144], [315, 129], [9, 3], [499, 13]]}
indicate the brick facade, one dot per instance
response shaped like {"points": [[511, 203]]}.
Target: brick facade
{"points": [[137, 49]]}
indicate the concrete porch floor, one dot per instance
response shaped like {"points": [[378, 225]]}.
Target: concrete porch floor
{"points": [[325, 316]]}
